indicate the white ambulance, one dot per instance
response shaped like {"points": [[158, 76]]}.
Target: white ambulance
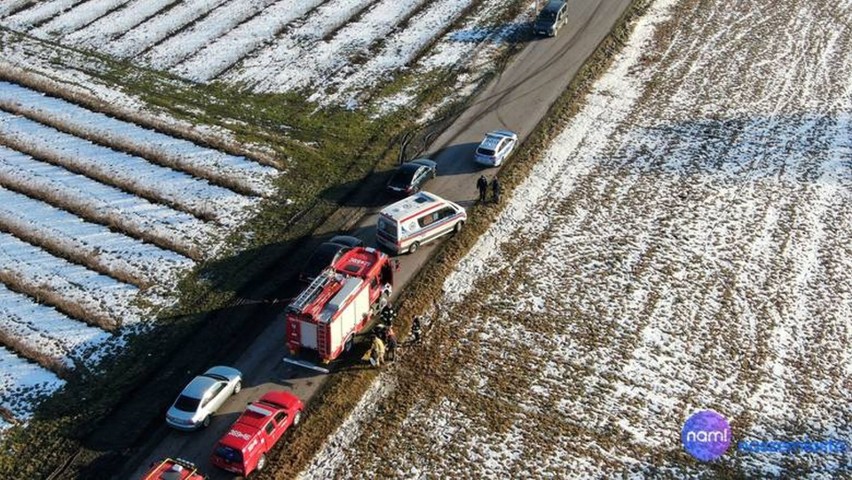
{"points": [[414, 221]]}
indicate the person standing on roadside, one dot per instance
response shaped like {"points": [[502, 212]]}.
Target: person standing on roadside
{"points": [[495, 189], [391, 344], [416, 329], [482, 185], [377, 352]]}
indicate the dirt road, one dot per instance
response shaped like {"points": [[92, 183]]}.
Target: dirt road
{"points": [[517, 100]]}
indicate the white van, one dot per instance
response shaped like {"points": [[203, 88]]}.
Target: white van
{"points": [[417, 220]]}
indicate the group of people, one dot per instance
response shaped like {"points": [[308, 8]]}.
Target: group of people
{"points": [[385, 343], [482, 186]]}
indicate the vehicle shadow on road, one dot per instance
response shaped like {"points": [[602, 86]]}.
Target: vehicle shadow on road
{"points": [[365, 192], [456, 160]]}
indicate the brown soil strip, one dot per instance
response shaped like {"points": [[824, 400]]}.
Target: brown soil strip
{"points": [[43, 294], [152, 154], [149, 193], [112, 219], [184, 131]]}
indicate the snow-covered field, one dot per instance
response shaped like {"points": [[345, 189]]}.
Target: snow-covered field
{"points": [[335, 49], [684, 244], [98, 220]]}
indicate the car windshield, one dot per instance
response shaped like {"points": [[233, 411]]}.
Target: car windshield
{"points": [[485, 151], [322, 257], [546, 15], [230, 455], [403, 176], [187, 404], [387, 227]]}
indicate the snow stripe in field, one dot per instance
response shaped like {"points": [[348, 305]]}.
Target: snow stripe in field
{"points": [[9, 6], [38, 13], [457, 45], [99, 299], [205, 162], [107, 28], [397, 51], [132, 173], [328, 57], [119, 255], [21, 382], [291, 46], [159, 27], [47, 331], [224, 18], [76, 18], [214, 59], [106, 205]]}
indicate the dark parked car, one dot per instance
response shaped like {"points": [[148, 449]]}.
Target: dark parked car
{"points": [[325, 255], [411, 176], [551, 17]]}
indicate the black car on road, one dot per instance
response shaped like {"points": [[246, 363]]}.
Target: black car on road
{"points": [[326, 253], [410, 177], [551, 17]]}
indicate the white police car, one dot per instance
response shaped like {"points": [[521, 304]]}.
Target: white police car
{"points": [[496, 147]]}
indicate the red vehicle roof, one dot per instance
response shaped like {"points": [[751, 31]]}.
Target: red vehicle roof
{"points": [[255, 417], [360, 262], [170, 469]]}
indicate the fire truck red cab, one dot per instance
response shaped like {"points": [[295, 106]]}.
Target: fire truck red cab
{"points": [[243, 449], [339, 303]]}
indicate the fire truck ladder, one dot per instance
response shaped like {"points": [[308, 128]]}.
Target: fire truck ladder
{"points": [[311, 292]]}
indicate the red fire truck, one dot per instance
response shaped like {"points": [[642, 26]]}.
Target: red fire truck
{"points": [[326, 316]]}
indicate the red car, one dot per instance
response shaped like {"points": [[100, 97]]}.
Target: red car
{"points": [[176, 469], [243, 449]]}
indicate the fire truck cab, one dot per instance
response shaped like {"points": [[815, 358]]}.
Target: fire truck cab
{"points": [[338, 303]]}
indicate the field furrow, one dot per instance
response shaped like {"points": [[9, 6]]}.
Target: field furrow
{"points": [[177, 48], [94, 246], [112, 26], [10, 6], [329, 56], [45, 334], [212, 165], [36, 14], [131, 174], [398, 50], [72, 289], [76, 18], [215, 58], [98, 203], [295, 42], [160, 27]]}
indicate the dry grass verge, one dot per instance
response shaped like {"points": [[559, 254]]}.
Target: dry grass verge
{"points": [[344, 389], [176, 129], [140, 189], [113, 218], [149, 153], [66, 306]]}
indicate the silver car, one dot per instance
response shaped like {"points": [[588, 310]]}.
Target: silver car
{"points": [[202, 397]]}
